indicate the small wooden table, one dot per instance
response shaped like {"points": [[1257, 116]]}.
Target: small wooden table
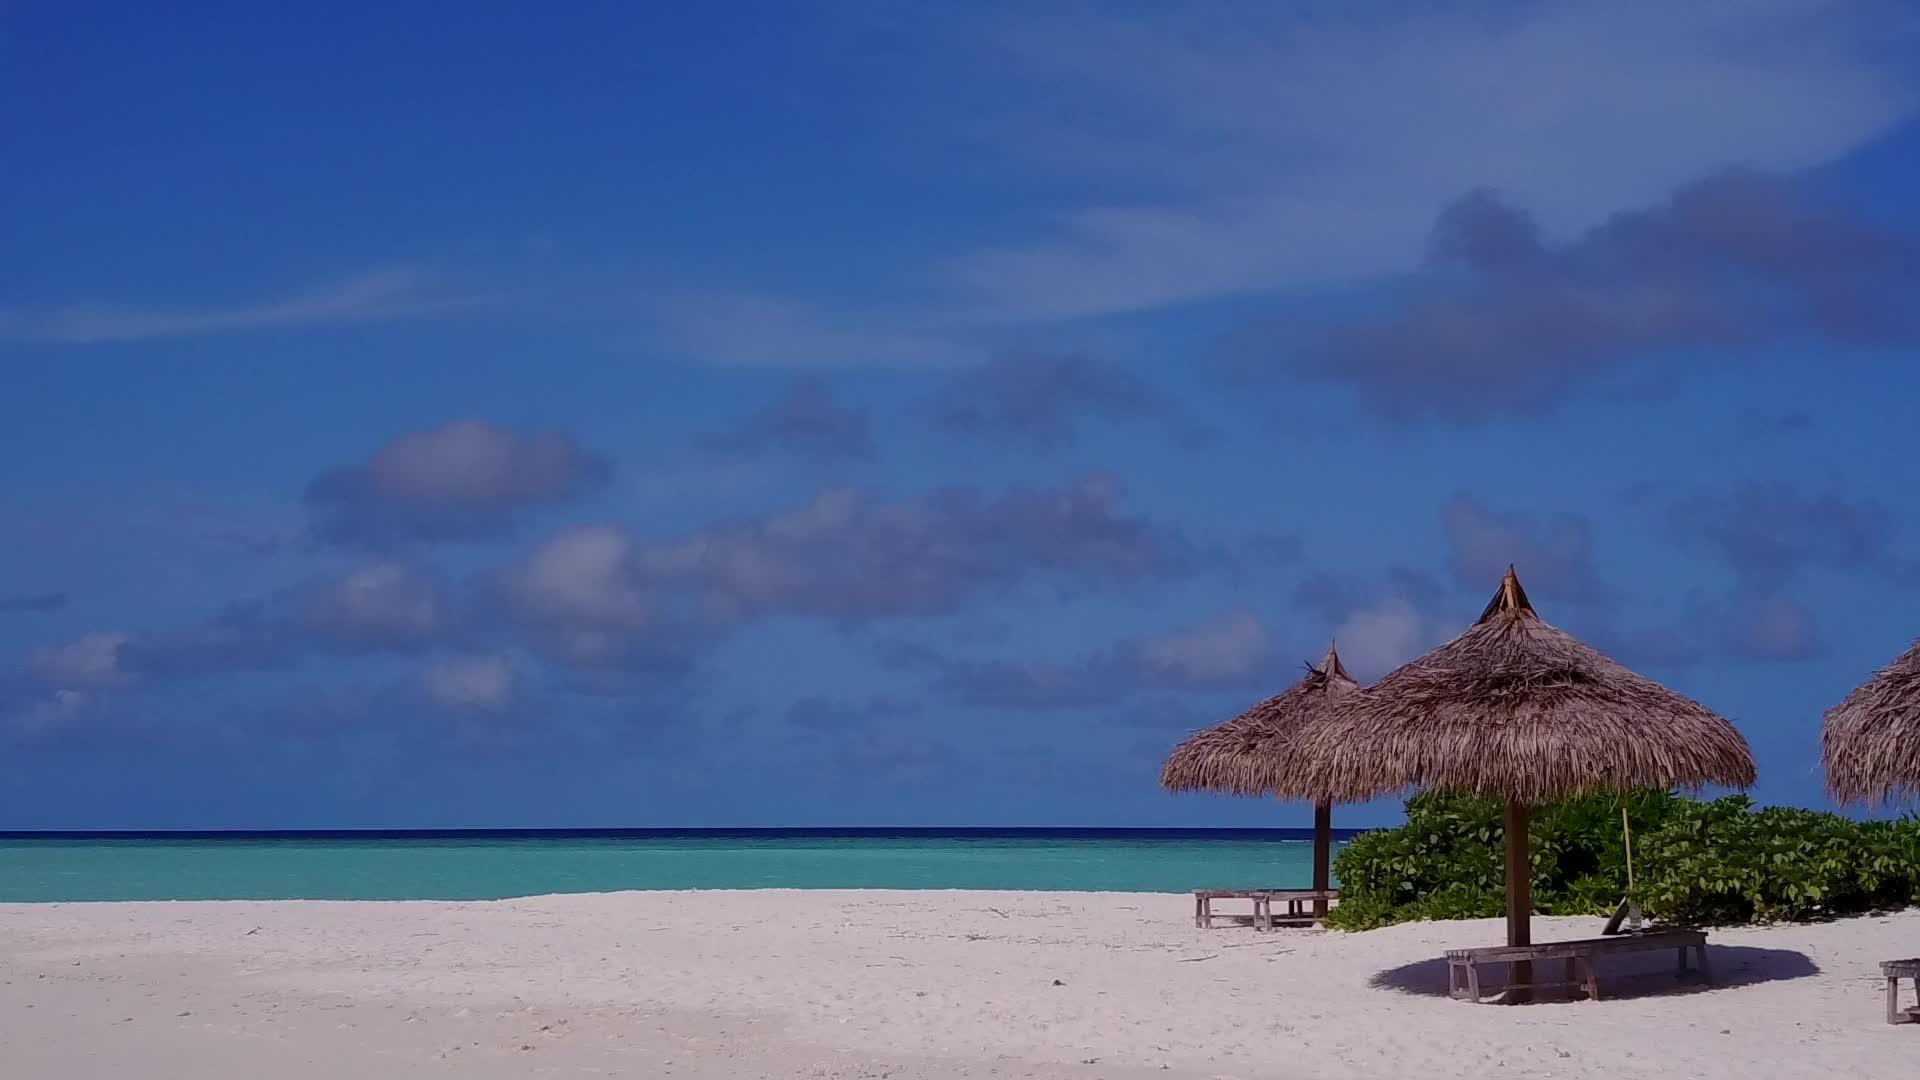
{"points": [[1263, 918], [1895, 970], [1579, 956]]}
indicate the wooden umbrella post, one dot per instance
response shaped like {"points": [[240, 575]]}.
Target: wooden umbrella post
{"points": [[1519, 901], [1322, 855]]}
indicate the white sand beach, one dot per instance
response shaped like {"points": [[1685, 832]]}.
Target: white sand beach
{"points": [[885, 984]]}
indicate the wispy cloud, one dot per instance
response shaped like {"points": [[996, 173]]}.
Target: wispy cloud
{"points": [[1241, 147], [32, 601], [737, 329], [1156, 156], [373, 296]]}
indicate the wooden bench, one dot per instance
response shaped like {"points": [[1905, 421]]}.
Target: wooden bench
{"points": [[1895, 970], [1579, 957], [1263, 918]]}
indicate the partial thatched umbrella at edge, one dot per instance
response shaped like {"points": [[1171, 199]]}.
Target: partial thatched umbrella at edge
{"points": [[1870, 742], [1519, 709], [1248, 755]]}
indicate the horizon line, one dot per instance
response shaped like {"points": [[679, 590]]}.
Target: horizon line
{"points": [[641, 832]]}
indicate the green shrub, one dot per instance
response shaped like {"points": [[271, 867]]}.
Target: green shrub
{"points": [[1694, 862], [1889, 852]]}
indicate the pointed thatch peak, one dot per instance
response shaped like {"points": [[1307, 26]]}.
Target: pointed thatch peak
{"points": [[1518, 708], [1251, 753], [1330, 665], [1509, 599], [1870, 742]]}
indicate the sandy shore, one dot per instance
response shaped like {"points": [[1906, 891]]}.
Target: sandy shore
{"points": [[883, 984]]}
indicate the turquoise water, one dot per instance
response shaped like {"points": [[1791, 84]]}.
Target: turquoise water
{"points": [[492, 868]]}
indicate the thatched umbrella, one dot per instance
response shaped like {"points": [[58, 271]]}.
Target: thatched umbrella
{"points": [[1870, 742], [1516, 708], [1248, 755]]}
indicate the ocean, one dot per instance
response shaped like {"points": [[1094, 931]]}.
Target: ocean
{"points": [[496, 865]]}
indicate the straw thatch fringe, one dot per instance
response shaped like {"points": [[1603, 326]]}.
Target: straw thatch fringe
{"points": [[1516, 708], [1247, 755], [1870, 742]]}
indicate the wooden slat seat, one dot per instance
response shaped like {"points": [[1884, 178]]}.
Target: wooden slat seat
{"points": [[1895, 970], [1295, 902], [1463, 964]]}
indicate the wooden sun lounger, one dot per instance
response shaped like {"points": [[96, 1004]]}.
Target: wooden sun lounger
{"points": [[1895, 970], [1263, 918], [1579, 957]]}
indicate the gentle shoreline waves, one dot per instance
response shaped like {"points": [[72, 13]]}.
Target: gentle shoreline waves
{"points": [[499, 865], [933, 985]]}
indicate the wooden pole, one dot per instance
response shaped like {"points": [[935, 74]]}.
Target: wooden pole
{"points": [[1519, 901], [1322, 855]]}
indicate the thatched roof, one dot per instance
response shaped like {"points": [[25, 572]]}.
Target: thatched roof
{"points": [[1516, 708], [1248, 754], [1870, 742]]}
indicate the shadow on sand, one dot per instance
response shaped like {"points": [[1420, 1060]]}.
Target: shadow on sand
{"points": [[1634, 975]]}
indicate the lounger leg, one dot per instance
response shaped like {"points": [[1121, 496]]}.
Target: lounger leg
{"points": [[1262, 913], [1453, 979], [1573, 970], [1203, 913], [1473, 982], [1680, 970], [1893, 999], [1700, 954], [1593, 981]]}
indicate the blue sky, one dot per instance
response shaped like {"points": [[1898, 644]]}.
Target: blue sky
{"points": [[776, 414]]}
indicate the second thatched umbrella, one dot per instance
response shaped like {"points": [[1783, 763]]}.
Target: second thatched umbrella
{"points": [[1251, 755], [1521, 710], [1870, 742]]}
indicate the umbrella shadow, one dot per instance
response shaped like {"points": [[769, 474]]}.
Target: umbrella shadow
{"points": [[1628, 975]]}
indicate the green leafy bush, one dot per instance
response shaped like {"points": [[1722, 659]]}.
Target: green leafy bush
{"points": [[1694, 862]]}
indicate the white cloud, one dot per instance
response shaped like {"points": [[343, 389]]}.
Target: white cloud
{"points": [[375, 295], [89, 662], [1230, 648], [381, 603], [598, 595], [74, 676], [1771, 628], [1555, 553], [581, 574], [461, 480], [471, 461], [1374, 640], [472, 682], [56, 710]]}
